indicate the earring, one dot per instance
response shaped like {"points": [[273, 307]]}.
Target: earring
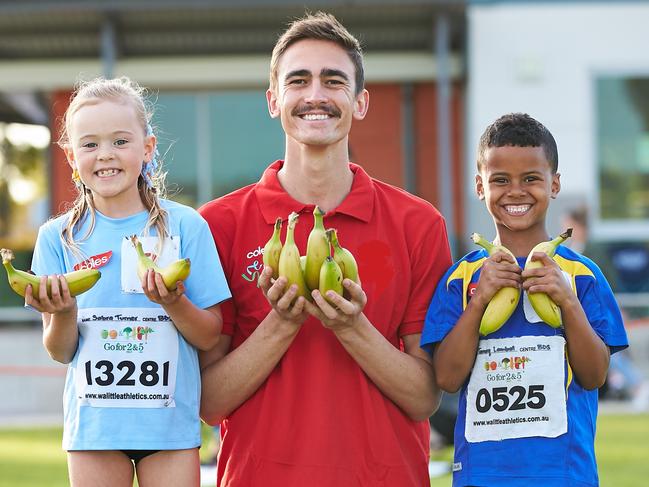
{"points": [[76, 179]]}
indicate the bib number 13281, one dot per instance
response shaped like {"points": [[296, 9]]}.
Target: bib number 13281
{"points": [[126, 373], [512, 398]]}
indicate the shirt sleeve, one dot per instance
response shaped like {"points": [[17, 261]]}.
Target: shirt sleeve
{"points": [[431, 258], [48, 257], [215, 216], [206, 284], [444, 311], [601, 309]]}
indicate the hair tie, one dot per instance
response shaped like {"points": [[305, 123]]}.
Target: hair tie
{"points": [[149, 168]]}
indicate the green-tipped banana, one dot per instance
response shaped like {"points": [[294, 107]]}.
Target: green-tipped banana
{"points": [[343, 257], [331, 278], [78, 281], [273, 248], [547, 309], [504, 302], [317, 250], [289, 260], [178, 270]]}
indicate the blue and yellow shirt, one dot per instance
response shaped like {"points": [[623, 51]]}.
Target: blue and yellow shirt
{"points": [[561, 461]]}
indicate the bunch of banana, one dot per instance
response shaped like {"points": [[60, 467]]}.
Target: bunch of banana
{"points": [[171, 274], [504, 302], [547, 309], [289, 260], [317, 250], [323, 267], [343, 257], [78, 281], [273, 249]]}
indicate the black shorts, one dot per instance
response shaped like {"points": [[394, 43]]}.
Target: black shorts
{"points": [[137, 455]]}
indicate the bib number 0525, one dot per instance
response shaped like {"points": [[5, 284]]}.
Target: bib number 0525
{"points": [[149, 373], [512, 398]]}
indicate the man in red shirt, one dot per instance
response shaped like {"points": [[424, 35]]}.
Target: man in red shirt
{"points": [[309, 393]]}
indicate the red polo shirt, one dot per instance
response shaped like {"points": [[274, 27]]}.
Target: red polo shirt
{"points": [[318, 420]]}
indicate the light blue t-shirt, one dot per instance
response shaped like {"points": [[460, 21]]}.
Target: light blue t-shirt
{"points": [[134, 382]]}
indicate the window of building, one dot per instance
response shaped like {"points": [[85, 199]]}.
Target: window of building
{"points": [[215, 142], [623, 150]]}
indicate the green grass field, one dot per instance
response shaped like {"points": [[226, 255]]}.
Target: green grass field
{"points": [[33, 457]]}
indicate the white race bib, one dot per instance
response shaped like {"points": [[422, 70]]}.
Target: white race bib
{"points": [[516, 389], [128, 358], [170, 252]]}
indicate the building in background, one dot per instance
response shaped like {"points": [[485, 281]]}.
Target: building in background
{"points": [[207, 62], [581, 68], [438, 72]]}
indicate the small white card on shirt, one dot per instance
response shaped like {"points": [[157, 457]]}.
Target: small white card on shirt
{"points": [[129, 278]]}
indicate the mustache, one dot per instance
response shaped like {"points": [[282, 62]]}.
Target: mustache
{"points": [[325, 108]]}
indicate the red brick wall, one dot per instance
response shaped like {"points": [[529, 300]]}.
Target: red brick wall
{"points": [[62, 189], [376, 142]]}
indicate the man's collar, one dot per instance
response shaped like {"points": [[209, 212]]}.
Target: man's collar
{"points": [[275, 202]]}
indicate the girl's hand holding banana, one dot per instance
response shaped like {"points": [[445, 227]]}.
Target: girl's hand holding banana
{"points": [[58, 300], [156, 290]]}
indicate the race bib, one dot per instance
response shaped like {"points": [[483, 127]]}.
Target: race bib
{"points": [[129, 278], [127, 358], [516, 389]]}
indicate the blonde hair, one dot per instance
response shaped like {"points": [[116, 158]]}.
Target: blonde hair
{"points": [[126, 90]]}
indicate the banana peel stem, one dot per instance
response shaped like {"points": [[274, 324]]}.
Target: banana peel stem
{"points": [[7, 255]]}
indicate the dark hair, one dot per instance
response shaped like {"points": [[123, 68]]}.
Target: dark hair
{"points": [[320, 26], [519, 130]]}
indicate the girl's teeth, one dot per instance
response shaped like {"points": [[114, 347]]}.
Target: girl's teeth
{"points": [[107, 172]]}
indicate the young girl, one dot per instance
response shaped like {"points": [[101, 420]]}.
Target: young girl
{"points": [[132, 390]]}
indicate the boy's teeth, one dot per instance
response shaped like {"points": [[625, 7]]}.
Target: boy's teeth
{"points": [[517, 209], [312, 116]]}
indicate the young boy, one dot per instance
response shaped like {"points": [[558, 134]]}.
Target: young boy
{"points": [[528, 404]]}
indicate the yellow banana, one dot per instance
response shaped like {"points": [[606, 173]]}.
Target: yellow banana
{"points": [[302, 263], [78, 281], [289, 260], [343, 257], [504, 302], [331, 278], [317, 250], [547, 309], [178, 270], [273, 248]]}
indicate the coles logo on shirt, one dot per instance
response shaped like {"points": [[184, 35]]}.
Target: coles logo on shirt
{"points": [[471, 289], [95, 262]]}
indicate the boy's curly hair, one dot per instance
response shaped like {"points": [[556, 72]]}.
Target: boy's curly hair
{"points": [[518, 130]]}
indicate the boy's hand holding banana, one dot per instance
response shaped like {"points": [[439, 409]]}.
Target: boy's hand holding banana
{"points": [[547, 288], [542, 278], [499, 285]]}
